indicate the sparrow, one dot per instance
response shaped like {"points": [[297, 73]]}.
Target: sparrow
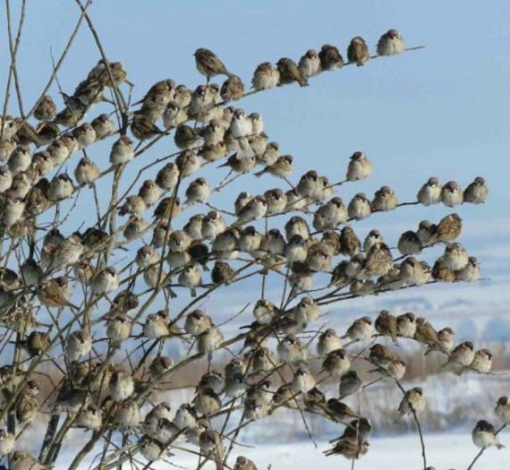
{"points": [[54, 292], [469, 273], [147, 256], [430, 192], [58, 151], [373, 238], [303, 380], [297, 225], [89, 418], [105, 281], [359, 207], [350, 244], [350, 384], [339, 411], [164, 88], [160, 366], [357, 431], [348, 449], [186, 137], [232, 89], [46, 109], [7, 441], [445, 341], [182, 96], [128, 416], [425, 333], [276, 201], [151, 449], [168, 177], [143, 128], [306, 310], [463, 355], [211, 380], [482, 361], [209, 65], [85, 135], [86, 172], [448, 229], [174, 115], [289, 72], [31, 272], [5, 178], [67, 253], [79, 344], [358, 51], [20, 187], [441, 273], [249, 241], [151, 424], [270, 155], [167, 209], [207, 402], [263, 360], [406, 325], [414, 272], [291, 350], [476, 192], [213, 133], [103, 126], [27, 408], [254, 209], [211, 446], [20, 159], [243, 463], [121, 386], [61, 187], [149, 192], [191, 277], [378, 261], [384, 200], [359, 167], [266, 76], [451, 194], [310, 64], [222, 273], [413, 401], [197, 323], [455, 257], [409, 243], [502, 410], [210, 340], [319, 258], [337, 362], [386, 325], [226, 244], [484, 435], [360, 330], [156, 325], [118, 329], [122, 151], [391, 43], [330, 57], [382, 356]]}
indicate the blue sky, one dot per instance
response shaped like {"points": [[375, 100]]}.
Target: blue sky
{"points": [[440, 111]]}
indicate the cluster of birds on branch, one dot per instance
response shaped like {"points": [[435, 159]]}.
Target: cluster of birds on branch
{"points": [[101, 395]]}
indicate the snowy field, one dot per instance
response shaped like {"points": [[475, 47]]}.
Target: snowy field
{"points": [[444, 452], [394, 453]]}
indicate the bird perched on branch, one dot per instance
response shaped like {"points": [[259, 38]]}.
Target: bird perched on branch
{"points": [[209, 65]]}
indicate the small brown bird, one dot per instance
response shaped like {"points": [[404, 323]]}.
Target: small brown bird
{"points": [[359, 207], [209, 65], [143, 128], [310, 64], [409, 243], [348, 449], [482, 362], [289, 72], [266, 76], [391, 43], [451, 194], [484, 435], [358, 51], [384, 200], [406, 325], [330, 57], [86, 172], [476, 192], [232, 89], [243, 463], [382, 356], [462, 355], [413, 401], [448, 229], [222, 273], [36, 343], [502, 410], [46, 109], [186, 137], [350, 383], [386, 325], [430, 192], [360, 330]]}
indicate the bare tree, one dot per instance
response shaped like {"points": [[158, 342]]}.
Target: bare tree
{"points": [[94, 293]]}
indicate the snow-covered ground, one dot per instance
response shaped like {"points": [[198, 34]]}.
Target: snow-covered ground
{"points": [[444, 452]]}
